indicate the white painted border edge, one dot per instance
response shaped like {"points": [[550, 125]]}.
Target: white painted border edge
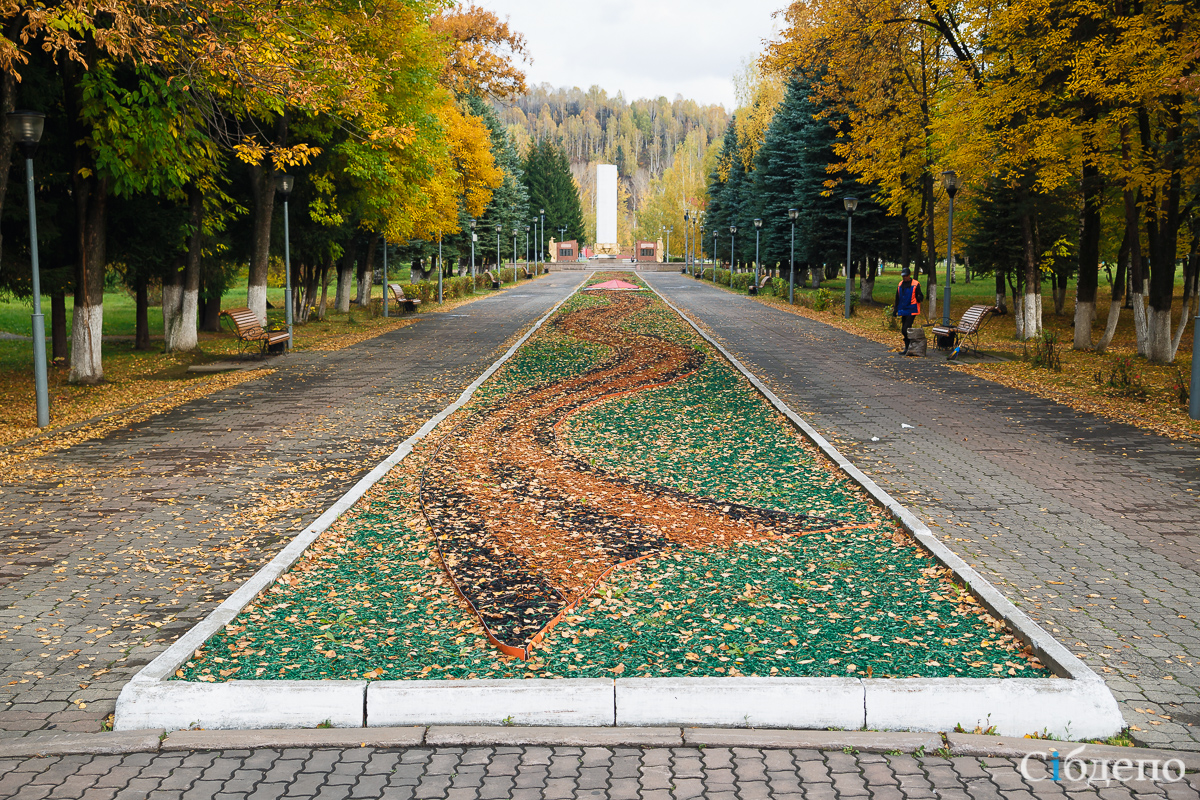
{"points": [[168, 661], [886, 704]]}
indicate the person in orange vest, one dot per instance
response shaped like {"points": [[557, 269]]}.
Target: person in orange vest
{"points": [[907, 303]]}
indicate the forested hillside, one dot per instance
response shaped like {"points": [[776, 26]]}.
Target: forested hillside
{"points": [[642, 137]]}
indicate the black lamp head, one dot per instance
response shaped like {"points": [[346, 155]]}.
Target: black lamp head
{"points": [[27, 128], [793, 214], [851, 203], [284, 184], [951, 182], [758, 223]]}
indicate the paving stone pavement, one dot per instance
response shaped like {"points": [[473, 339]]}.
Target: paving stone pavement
{"points": [[1091, 527], [111, 549], [550, 772]]}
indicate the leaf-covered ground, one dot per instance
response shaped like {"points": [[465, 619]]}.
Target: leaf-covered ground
{"points": [[372, 599]]}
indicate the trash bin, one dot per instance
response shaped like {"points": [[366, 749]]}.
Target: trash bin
{"points": [[918, 345]]}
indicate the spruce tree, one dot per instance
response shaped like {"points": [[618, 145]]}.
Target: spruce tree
{"points": [[510, 202], [551, 186], [793, 168]]}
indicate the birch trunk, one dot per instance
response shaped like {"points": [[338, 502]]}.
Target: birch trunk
{"points": [[345, 272], [1158, 336], [1184, 315], [1140, 331], [1085, 317], [181, 311]]}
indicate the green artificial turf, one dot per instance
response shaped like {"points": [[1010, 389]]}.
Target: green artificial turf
{"points": [[372, 599]]}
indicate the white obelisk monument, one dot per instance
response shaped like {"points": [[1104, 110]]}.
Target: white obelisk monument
{"points": [[606, 211]]}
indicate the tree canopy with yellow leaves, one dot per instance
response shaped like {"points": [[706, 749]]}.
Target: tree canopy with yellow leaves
{"points": [[1043, 101], [198, 107]]}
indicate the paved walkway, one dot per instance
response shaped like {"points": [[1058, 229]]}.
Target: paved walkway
{"points": [[547, 773], [115, 547], [120, 544], [1092, 527]]}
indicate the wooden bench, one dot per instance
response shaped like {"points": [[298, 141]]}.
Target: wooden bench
{"points": [[526, 272], [764, 283], [966, 329], [250, 331], [408, 303], [492, 279]]}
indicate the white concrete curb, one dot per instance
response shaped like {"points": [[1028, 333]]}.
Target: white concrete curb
{"points": [[742, 702], [531, 702], [239, 704], [1083, 708], [1080, 706]]}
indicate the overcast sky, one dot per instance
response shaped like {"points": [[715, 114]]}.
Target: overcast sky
{"points": [[643, 48]]}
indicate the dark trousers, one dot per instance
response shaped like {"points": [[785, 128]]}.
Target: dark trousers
{"points": [[906, 321]]}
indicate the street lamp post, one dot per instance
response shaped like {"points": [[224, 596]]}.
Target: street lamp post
{"points": [[716, 263], [687, 257], [541, 239], [499, 273], [951, 182], [793, 214], [473, 237], [669, 243], [385, 280], [732, 250], [757, 230], [700, 245], [284, 184], [441, 270], [1194, 400], [850, 203], [516, 232], [527, 247], [26, 128]]}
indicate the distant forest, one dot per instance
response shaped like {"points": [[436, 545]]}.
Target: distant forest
{"points": [[641, 137]]}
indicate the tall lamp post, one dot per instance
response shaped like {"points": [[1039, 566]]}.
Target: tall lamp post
{"points": [[951, 182], [473, 238], [385, 280], [732, 250], [499, 273], [700, 244], [793, 215], [1194, 401], [687, 221], [284, 184], [26, 128], [527, 247], [850, 203], [563, 232], [757, 228], [441, 272], [516, 233], [716, 264], [669, 243], [541, 240]]}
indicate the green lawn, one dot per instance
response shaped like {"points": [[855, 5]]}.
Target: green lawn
{"points": [[120, 308]]}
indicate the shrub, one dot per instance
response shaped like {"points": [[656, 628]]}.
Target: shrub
{"points": [[742, 280], [822, 300], [1181, 387], [1045, 351], [780, 287], [1124, 380], [889, 321]]}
